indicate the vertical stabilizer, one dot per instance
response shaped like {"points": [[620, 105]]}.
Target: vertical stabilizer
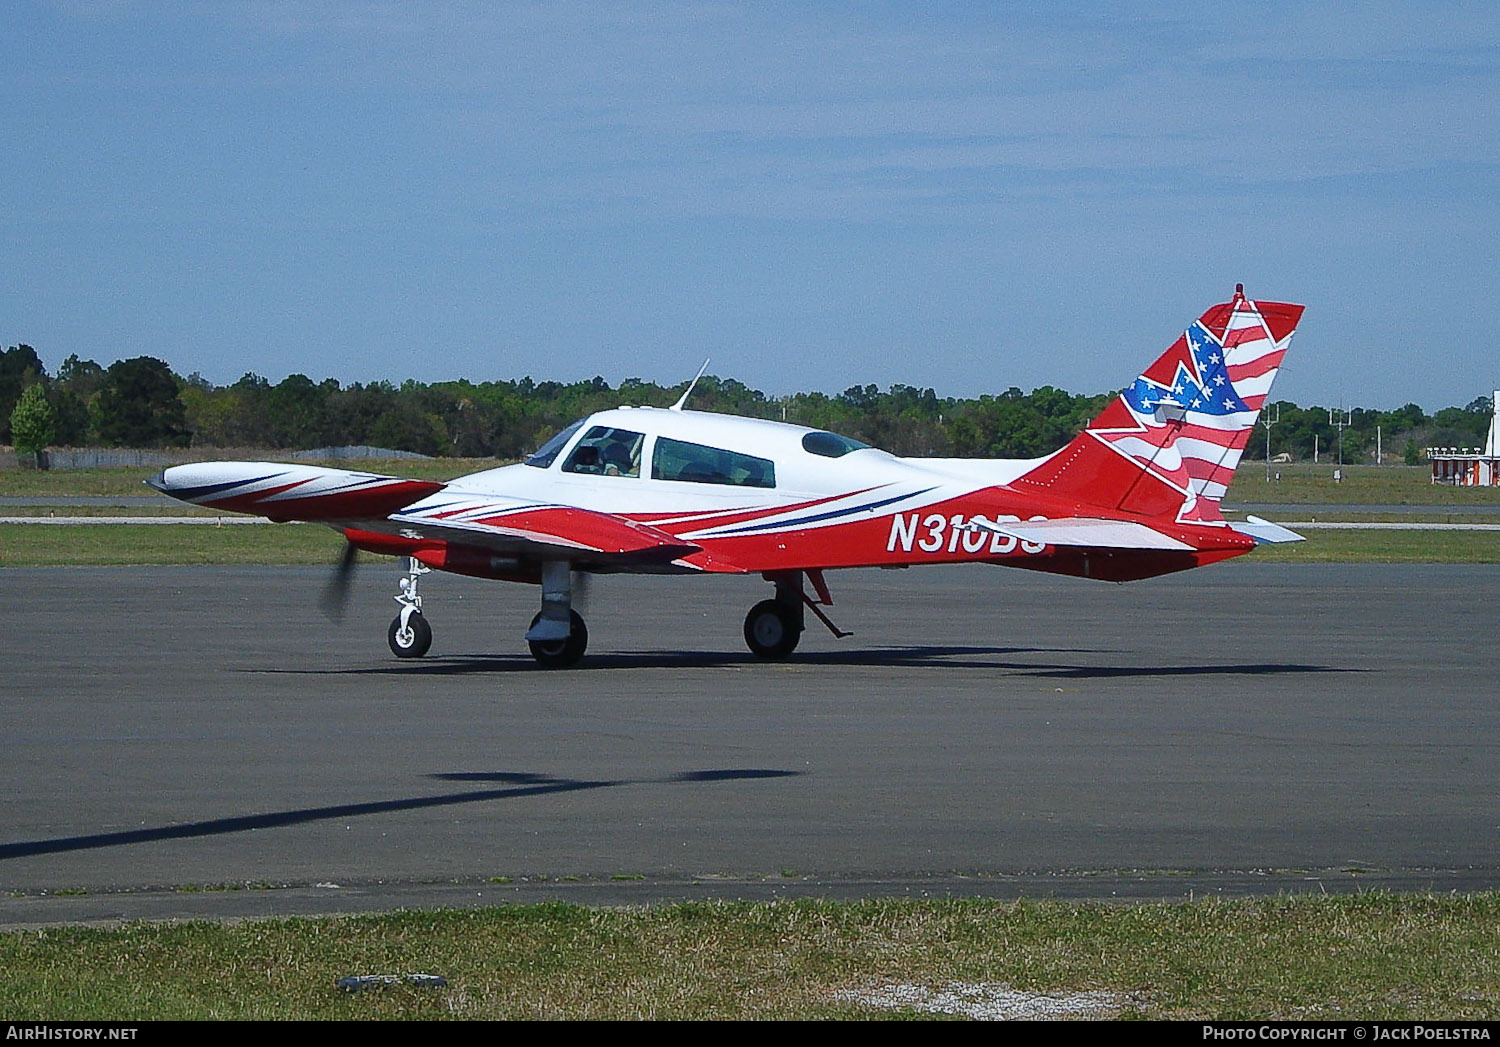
{"points": [[1169, 444]]}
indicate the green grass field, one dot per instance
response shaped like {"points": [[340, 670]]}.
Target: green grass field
{"points": [[1303, 957], [1300, 484], [132, 480], [1329, 546], [106, 545], [1304, 483]]}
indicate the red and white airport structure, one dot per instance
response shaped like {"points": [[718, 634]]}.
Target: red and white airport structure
{"points": [[1470, 466]]}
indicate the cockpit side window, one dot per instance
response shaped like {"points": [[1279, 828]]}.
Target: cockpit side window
{"points": [[831, 445], [697, 463], [605, 451], [545, 455]]}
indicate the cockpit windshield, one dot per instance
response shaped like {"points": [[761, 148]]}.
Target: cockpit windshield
{"points": [[607, 452], [548, 452]]}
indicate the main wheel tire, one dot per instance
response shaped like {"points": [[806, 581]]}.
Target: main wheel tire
{"points": [[561, 654], [411, 642], [771, 631]]}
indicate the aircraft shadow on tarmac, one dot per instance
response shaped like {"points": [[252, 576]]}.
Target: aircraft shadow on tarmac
{"points": [[990, 659], [516, 786]]}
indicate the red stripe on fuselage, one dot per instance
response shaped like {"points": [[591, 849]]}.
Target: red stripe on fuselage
{"points": [[935, 534]]}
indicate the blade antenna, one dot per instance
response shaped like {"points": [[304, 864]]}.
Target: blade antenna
{"points": [[683, 399]]}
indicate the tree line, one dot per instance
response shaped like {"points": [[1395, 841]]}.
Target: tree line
{"points": [[141, 402]]}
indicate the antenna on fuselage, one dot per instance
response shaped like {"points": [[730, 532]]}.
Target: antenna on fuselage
{"points": [[683, 399]]}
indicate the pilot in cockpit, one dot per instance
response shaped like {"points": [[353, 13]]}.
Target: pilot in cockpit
{"points": [[620, 454], [607, 452]]}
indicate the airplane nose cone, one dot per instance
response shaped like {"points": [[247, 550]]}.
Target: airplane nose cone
{"points": [[159, 481]]}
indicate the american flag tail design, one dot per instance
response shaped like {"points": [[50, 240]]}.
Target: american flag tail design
{"points": [[1166, 448]]}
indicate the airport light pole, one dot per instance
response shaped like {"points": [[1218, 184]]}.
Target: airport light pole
{"points": [[1267, 419], [1340, 419]]}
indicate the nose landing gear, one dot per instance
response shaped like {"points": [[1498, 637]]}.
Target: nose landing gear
{"points": [[409, 635]]}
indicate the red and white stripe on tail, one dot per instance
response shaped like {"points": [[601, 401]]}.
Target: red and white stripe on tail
{"points": [[1167, 447]]}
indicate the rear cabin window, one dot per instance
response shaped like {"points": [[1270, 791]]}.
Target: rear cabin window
{"points": [[831, 445], [605, 451], [696, 463]]}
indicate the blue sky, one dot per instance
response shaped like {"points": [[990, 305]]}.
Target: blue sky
{"points": [[956, 195]]}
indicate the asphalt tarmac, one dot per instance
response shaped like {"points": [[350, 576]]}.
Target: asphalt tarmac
{"points": [[203, 742]]}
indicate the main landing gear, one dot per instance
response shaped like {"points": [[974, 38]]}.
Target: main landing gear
{"points": [[773, 627], [557, 636], [560, 654]]}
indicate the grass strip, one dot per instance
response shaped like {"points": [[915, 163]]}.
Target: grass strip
{"points": [[131, 480], [120, 545], [1374, 956], [1333, 546], [1299, 484], [1305, 483]]}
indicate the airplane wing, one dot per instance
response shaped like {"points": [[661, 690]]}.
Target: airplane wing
{"points": [[281, 491], [420, 510]]}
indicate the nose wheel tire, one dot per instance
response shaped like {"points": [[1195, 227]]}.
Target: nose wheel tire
{"points": [[771, 631], [412, 641], [561, 654]]}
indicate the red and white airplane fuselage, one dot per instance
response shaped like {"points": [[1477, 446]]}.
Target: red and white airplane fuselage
{"points": [[657, 490]]}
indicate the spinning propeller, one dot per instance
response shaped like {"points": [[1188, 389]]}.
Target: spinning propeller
{"points": [[336, 591]]}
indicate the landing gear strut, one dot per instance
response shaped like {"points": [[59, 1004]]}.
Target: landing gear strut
{"points": [[773, 627], [557, 636], [409, 635]]}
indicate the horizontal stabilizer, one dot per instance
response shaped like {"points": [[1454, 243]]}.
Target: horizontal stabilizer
{"points": [[1084, 532], [1265, 532]]}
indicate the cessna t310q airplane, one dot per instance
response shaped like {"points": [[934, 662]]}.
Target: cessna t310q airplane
{"points": [[672, 491]]}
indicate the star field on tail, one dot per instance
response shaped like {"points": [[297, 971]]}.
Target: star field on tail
{"points": [[1205, 388]]}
